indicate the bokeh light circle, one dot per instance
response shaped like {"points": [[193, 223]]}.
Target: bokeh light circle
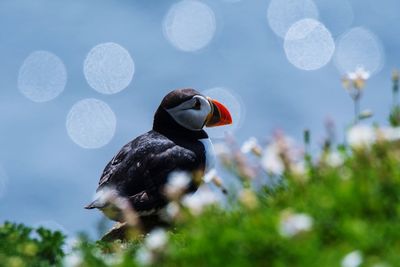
{"points": [[309, 45], [337, 16], [189, 25], [235, 106], [282, 14], [359, 48], [91, 123], [108, 68], [3, 181], [42, 76]]}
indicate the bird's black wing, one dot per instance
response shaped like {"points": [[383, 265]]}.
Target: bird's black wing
{"points": [[145, 163], [115, 165], [158, 168]]}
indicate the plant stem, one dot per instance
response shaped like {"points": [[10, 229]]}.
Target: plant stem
{"points": [[356, 109]]}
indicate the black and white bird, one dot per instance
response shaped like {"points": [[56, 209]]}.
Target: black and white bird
{"points": [[177, 142]]}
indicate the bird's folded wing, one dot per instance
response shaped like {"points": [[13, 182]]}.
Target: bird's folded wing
{"points": [[115, 165], [148, 159]]}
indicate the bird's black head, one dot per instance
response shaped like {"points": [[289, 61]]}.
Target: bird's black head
{"points": [[184, 112]]}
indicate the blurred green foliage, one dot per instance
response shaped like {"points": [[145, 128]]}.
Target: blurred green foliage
{"points": [[22, 246], [354, 207], [394, 116]]}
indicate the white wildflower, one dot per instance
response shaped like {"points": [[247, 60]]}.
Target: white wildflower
{"points": [[109, 195], [353, 259], [156, 240], [299, 168], [154, 243], [282, 148], [248, 145], [359, 73], [221, 149], [271, 160], [389, 133], [177, 184], [199, 200], [105, 195], [355, 81], [122, 203], [172, 210], [293, 223], [334, 159], [69, 244], [251, 146], [361, 135], [73, 259], [144, 256], [365, 135], [179, 180], [209, 176], [112, 259]]}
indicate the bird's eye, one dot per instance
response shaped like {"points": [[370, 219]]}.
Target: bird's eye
{"points": [[197, 105]]}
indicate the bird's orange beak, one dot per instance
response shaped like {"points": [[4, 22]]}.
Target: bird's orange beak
{"points": [[219, 114]]}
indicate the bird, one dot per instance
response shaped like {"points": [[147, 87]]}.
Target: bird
{"points": [[177, 142]]}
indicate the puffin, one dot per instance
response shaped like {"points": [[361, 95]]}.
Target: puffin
{"points": [[177, 142]]}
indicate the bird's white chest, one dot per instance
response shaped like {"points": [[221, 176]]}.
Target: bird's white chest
{"points": [[209, 154]]}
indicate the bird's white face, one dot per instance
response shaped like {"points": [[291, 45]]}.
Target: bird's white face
{"points": [[193, 113]]}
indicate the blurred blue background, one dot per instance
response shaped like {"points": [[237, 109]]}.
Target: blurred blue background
{"points": [[50, 178]]}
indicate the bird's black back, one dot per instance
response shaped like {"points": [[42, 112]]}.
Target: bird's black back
{"points": [[144, 164]]}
